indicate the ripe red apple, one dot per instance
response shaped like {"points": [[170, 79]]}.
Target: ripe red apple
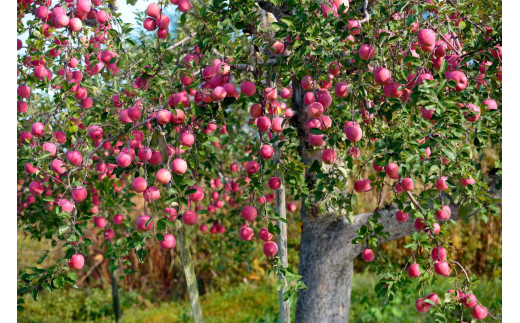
{"points": [[421, 306], [168, 241], [141, 223], [291, 207], [170, 213], [189, 217], [426, 39], [407, 184], [414, 271], [266, 151], [274, 183], [479, 312], [382, 76], [249, 213], [444, 213], [248, 88], [36, 188], [76, 261], [316, 140], [439, 253], [368, 255], [151, 194], [469, 181], [469, 300], [419, 224], [37, 129], [58, 166], [490, 104], [442, 268], [441, 184], [434, 298], [178, 116], [263, 123], [179, 166], [315, 110], [401, 216], [163, 176], [100, 222], [459, 77], [341, 89], [246, 233], [118, 218], [366, 52], [109, 234], [252, 167], [50, 147], [392, 170], [79, 194], [270, 249], [265, 235], [353, 131], [363, 185], [198, 195], [328, 156], [139, 184]]}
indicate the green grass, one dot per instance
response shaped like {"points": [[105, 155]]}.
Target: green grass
{"points": [[244, 303]]}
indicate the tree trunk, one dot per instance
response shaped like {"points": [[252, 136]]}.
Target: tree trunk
{"points": [[115, 297], [189, 272], [285, 311]]}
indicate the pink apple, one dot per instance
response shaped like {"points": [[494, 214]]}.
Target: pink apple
{"points": [[118, 218], [368, 255], [328, 156], [248, 88], [414, 271], [252, 167], [189, 217], [168, 241], [460, 79], [76, 261], [249, 213], [163, 176], [151, 194], [401, 216], [407, 184], [469, 300], [469, 181], [363, 185], [366, 52], [79, 194], [266, 151], [479, 312], [179, 166], [341, 89], [274, 183], [442, 268], [36, 188], [263, 123], [246, 233], [139, 184], [439, 253], [142, 221], [444, 213], [265, 235], [392, 170], [270, 249], [353, 131], [382, 76]]}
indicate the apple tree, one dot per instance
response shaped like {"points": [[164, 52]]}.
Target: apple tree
{"points": [[244, 106]]}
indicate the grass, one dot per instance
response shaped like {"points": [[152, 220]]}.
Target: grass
{"points": [[243, 303]]}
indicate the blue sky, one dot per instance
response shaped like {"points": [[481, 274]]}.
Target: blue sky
{"points": [[126, 11]]}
